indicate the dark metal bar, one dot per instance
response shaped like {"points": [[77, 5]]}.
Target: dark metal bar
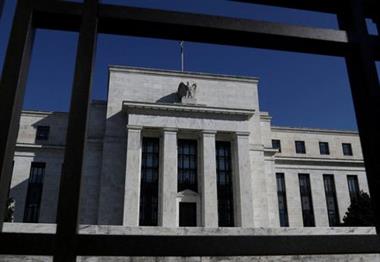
{"points": [[324, 6], [1, 7], [124, 20], [219, 30], [12, 89], [113, 245], [57, 15], [26, 244], [365, 93], [69, 195]]}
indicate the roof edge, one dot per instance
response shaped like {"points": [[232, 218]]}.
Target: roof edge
{"points": [[146, 70]]}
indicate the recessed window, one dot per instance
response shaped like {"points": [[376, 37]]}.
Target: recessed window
{"points": [[282, 205], [34, 193], [42, 133], [353, 187], [347, 149], [276, 144], [324, 148], [300, 147], [224, 184], [149, 182], [331, 200], [306, 200], [187, 165]]}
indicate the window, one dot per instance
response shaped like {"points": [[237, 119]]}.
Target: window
{"points": [[353, 187], [347, 149], [331, 200], [282, 205], [300, 147], [224, 184], [306, 200], [187, 214], [42, 133], [187, 165], [324, 148], [34, 192], [276, 144], [149, 182]]}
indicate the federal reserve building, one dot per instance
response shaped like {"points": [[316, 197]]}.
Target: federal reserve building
{"points": [[189, 153]]}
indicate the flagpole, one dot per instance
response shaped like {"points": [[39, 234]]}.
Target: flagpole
{"points": [[182, 57]]}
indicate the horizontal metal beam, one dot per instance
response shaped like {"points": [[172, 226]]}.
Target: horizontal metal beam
{"points": [[135, 245], [26, 244], [199, 28], [112, 245], [371, 7]]}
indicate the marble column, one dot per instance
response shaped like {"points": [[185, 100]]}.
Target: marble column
{"points": [[208, 180], [132, 177], [168, 179], [243, 196]]}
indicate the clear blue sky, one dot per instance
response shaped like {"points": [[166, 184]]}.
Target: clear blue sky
{"points": [[296, 89]]}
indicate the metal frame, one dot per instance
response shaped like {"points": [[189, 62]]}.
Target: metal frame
{"points": [[90, 18]]}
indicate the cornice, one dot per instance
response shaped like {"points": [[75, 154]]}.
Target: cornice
{"points": [[130, 105], [162, 72]]}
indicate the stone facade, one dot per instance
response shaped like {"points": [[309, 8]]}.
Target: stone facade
{"points": [[144, 103]]}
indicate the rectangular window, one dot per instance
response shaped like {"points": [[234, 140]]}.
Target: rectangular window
{"points": [[306, 200], [300, 147], [34, 192], [282, 205], [324, 148], [187, 165], [42, 133], [331, 200], [224, 184], [276, 144], [353, 187], [347, 149], [149, 182]]}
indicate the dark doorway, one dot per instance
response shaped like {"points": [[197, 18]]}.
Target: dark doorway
{"points": [[187, 214]]}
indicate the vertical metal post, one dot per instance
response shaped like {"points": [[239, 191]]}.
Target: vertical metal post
{"points": [[69, 195], [365, 93], [1, 7], [12, 87]]}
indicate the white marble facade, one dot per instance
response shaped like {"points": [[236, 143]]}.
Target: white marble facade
{"points": [[144, 103]]}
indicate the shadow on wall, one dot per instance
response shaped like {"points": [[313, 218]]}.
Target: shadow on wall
{"points": [[31, 150]]}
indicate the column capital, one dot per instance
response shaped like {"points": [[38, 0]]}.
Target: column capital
{"points": [[133, 127], [242, 134], [169, 129], [208, 132]]}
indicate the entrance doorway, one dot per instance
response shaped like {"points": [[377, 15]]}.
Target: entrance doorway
{"points": [[187, 214]]}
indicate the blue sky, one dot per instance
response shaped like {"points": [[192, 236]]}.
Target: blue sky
{"points": [[296, 89]]}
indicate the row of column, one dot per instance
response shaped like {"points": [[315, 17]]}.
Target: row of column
{"points": [[167, 209]]}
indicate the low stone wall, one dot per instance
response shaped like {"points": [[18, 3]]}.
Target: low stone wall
{"points": [[120, 230]]}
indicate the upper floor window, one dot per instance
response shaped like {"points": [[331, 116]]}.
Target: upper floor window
{"points": [[324, 148], [34, 192], [224, 184], [276, 144], [187, 165], [42, 133], [306, 200], [282, 205], [300, 147], [347, 149], [331, 200], [149, 182], [353, 187]]}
